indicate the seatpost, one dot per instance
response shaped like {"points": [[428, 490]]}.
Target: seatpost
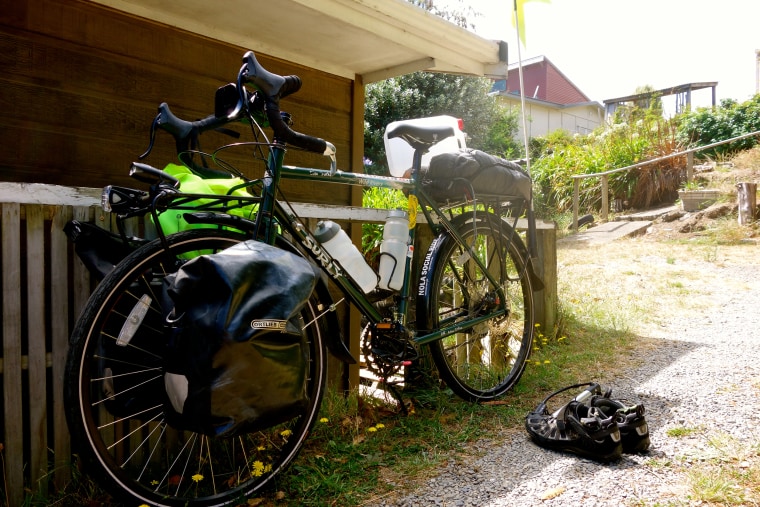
{"points": [[417, 160]]}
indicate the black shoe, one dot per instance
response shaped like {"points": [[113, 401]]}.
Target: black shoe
{"points": [[634, 431], [576, 427]]}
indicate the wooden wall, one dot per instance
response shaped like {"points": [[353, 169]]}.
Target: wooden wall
{"points": [[80, 86]]}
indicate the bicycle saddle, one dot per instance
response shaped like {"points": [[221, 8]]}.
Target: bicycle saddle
{"points": [[420, 136]]}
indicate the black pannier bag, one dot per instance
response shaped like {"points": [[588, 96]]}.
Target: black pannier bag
{"points": [[236, 359], [459, 174]]}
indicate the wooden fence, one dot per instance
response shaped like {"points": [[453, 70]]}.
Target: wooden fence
{"points": [[44, 288]]}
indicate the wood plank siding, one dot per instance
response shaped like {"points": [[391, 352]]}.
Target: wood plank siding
{"points": [[81, 84]]}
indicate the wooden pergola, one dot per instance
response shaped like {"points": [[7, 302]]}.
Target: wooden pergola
{"points": [[682, 93]]}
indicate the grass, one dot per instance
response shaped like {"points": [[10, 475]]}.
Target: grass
{"points": [[681, 431], [728, 474]]}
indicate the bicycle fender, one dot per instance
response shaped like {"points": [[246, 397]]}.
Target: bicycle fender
{"points": [[425, 282], [334, 336]]}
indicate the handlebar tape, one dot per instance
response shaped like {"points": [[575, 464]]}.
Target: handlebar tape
{"points": [[274, 87]]}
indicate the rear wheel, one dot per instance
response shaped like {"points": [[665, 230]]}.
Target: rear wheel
{"points": [[482, 361], [115, 393]]}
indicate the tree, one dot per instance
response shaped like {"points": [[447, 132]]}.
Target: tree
{"points": [[459, 14], [489, 125]]}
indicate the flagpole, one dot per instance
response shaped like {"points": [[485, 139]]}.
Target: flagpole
{"points": [[532, 246], [522, 90]]}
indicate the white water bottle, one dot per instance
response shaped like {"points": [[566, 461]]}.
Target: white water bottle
{"points": [[393, 250], [339, 246]]}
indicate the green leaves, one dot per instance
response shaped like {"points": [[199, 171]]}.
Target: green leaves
{"points": [[707, 125], [619, 145], [489, 126]]}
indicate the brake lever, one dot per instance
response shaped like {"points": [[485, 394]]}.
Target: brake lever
{"points": [[152, 137], [330, 152]]}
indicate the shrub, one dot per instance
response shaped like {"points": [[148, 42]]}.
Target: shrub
{"points": [[709, 125], [619, 145]]}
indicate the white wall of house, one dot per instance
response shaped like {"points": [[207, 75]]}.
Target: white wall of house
{"points": [[545, 117]]}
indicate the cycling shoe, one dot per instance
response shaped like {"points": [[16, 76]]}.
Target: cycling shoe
{"points": [[634, 431], [576, 427]]}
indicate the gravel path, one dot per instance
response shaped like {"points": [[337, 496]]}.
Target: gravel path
{"points": [[702, 376]]}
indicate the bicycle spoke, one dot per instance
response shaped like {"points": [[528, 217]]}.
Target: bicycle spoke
{"points": [[129, 417], [484, 360]]}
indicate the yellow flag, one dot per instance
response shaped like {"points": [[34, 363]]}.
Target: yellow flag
{"points": [[520, 13]]}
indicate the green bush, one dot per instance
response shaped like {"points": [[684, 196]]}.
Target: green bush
{"points": [[619, 145], [709, 125]]}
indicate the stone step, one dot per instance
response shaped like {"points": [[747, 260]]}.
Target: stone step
{"points": [[651, 214], [609, 231]]}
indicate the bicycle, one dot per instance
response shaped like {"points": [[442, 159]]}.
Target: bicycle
{"points": [[471, 304]]}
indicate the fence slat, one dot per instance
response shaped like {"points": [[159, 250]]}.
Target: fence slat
{"points": [[35, 282], [13, 440], [59, 314]]}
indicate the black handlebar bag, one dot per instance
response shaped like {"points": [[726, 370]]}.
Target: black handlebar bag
{"points": [[236, 359]]}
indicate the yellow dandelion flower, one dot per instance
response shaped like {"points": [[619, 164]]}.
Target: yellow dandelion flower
{"points": [[258, 469], [538, 363], [372, 429], [144, 505], [286, 433], [261, 448], [561, 338], [197, 478], [154, 482], [547, 361], [379, 426], [324, 420]]}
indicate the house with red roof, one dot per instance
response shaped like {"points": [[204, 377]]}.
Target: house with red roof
{"points": [[552, 101]]}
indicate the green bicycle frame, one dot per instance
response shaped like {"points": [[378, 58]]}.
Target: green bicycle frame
{"points": [[271, 211]]}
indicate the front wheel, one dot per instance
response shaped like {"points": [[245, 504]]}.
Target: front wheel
{"points": [[480, 362], [115, 395]]}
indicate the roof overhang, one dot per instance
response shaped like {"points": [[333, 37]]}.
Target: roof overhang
{"points": [[374, 39]]}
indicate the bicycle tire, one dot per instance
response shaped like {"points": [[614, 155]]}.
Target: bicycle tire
{"points": [[481, 362], [132, 451]]}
